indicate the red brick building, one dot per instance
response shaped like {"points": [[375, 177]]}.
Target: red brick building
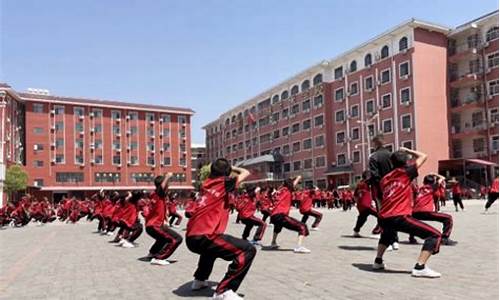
{"points": [[319, 122], [77, 146]]}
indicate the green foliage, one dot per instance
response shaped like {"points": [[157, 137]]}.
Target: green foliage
{"points": [[16, 179], [204, 172]]}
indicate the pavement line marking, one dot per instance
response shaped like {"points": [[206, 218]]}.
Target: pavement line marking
{"points": [[17, 268]]}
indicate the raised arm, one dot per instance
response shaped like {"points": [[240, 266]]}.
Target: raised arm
{"points": [[420, 156], [242, 173], [164, 183], [297, 180]]}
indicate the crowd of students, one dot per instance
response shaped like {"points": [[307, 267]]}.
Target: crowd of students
{"points": [[387, 192]]}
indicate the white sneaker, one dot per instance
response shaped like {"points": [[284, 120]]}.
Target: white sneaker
{"points": [[301, 249], [127, 244], [121, 242], [389, 248], [198, 285], [356, 234], [160, 262], [227, 295], [377, 266], [314, 228], [109, 233], [395, 246], [425, 272]]}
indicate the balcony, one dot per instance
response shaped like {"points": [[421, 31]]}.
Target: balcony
{"points": [[469, 101], [465, 50], [466, 79], [469, 129]]}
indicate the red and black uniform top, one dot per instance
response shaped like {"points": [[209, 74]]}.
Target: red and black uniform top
{"points": [[494, 186], [397, 192], [157, 210], [283, 202], [363, 196], [212, 215], [424, 202], [306, 202], [456, 189], [245, 206], [129, 214]]}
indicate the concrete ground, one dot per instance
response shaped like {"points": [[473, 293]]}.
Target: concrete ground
{"points": [[65, 261]]}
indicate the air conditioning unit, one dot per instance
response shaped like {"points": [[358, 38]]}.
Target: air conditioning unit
{"points": [[8, 120], [92, 161], [92, 130], [52, 111], [161, 120], [91, 115], [377, 57], [152, 122], [128, 148], [370, 89], [118, 135], [320, 126], [407, 103], [53, 145], [92, 146], [152, 151], [82, 132], [81, 117], [405, 77], [118, 120], [127, 117], [379, 82], [407, 129], [129, 163], [35, 147], [404, 51], [53, 160], [161, 164], [119, 150], [53, 127], [152, 137]]}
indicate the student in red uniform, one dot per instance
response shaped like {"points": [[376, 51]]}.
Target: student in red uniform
{"points": [[246, 207], [192, 205], [129, 222], [306, 208], [205, 232], [264, 202], [172, 212], [396, 209], [362, 195], [166, 239], [492, 195], [424, 208], [280, 215], [457, 193]]}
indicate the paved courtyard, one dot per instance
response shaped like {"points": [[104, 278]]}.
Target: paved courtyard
{"points": [[64, 261]]}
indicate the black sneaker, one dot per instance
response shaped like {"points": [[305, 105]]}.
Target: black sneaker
{"points": [[449, 242], [413, 241]]}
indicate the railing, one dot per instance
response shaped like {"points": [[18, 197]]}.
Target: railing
{"points": [[467, 74], [472, 46], [468, 99]]}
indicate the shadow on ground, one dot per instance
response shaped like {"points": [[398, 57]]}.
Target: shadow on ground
{"points": [[185, 290], [357, 248], [368, 268]]}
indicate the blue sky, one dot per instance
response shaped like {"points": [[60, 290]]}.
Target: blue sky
{"points": [[206, 55]]}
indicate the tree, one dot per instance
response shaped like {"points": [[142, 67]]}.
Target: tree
{"points": [[16, 179], [204, 172]]}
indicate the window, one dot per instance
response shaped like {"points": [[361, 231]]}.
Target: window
{"points": [[477, 119], [116, 129], [98, 144], [320, 161], [59, 159], [284, 131], [387, 126], [494, 143], [308, 163], [69, 177], [262, 122], [403, 43], [406, 122], [339, 116], [478, 144], [295, 109], [353, 66], [78, 127], [107, 177], [306, 125], [166, 131], [404, 69], [59, 143], [340, 137], [276, 99], [407, 144], [164, 118], [79, 143], [167, 161], [356, 156], [284, 113], [318, 101], [58, 110], [38, 182], [354, 111], [116, 145], [493, 60], [319, 141], [38, 163], [115, 115], [295, 127], [297, 165], [306, 105], [151, 160], [386, 101], [368, 60], [353, 90], [151, 132], [295, 90], [307, 144], [142, 177], [369, 83], [79, 159], [341, 159], [296, 147], [284, 95], [38, 130], [355, 134], [59, 126], [370, 107], [38, 107], [276, 135], [492, 34], [405, 95], [385, 76], [286, 149], [494, 115], [305, 85], [338, 73], [98, 128], [318, 79], [165, 147], [384, 52], [97, 113], [286, 167], [339, 94], [151, 146], [78, 111], [493, 87], [389, 147], [318, 121]]}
